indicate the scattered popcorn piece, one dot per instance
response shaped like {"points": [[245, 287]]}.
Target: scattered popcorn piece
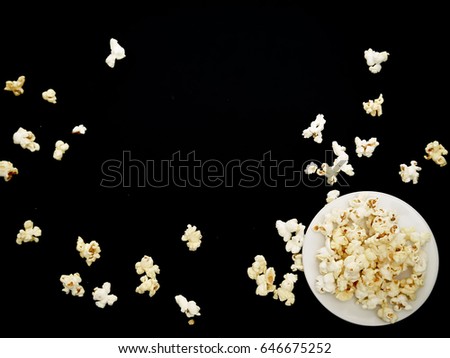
{"points": [[332, 195], [117, 53], [373, 107], [311, 168], [7, 170], [26, 139], [148, 284], [102, 296], [60, 149], [315, 129], [339, 164], [284, 292], [374, 59], [15, 87], [259, 266], [410, 173], [49, 96], [436, 151], [263, 275], [31, 233], [89, 251], [80, 129], [298, 262], [193, 237], [365, 147], [294, 243], [146, 266], [189, 308], [71, 284]]}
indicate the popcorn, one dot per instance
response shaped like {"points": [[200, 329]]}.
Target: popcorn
{"points": [[263, 276], [15, 86], [72, 285], [102, 296], [80, 129], [436, 152], [189, 308], [31, 233], [258, 267], [311, 168], [365, 147], [89, 251], [193, 237], [60, 149], [410, 173], [284, 292], [7, 170], [26, 139], [285, 229], [339, 164], [373, 107], [374, 59], [149, 282], [117, 53], [298, 262], [49, 96], [332, 195], [315, 129]]}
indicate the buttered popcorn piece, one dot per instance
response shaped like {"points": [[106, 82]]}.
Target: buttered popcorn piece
{"points": [[60, 149], [373, 107], [80, 129], [315, 129], [90, 251], [374, 59], [102, 296], [332, 195], [30, 233], [436, 151], [189, 308], [26, 139], [72, 285], [7, 170], [410, 172], [49, 95], [146, 266], [16, 87], [117, 53], [284, 292], [365, 147], [192, 237]]}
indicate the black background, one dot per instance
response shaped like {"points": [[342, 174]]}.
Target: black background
{"points": [[227, 83]]}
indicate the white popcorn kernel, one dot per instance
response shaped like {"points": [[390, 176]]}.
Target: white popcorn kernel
{"points": [[311, 168], [315, 129], [373, 107], [410, 173], [265, 282], [49, 95], [284, 292], [365, 147], [374, 59], [436, 151], [189, 308], [387, 314], [15, 87], [80, 129], [298, 262], [102, 296], [89, 251], [326, 283], [7, 170], [146, 266], [30, 233], [60, 149], [332, 195], [286, 229], [26, 139], [193, 237], [117, 53], [259, 266], [339, 164], [72, 285], [148, 284]]}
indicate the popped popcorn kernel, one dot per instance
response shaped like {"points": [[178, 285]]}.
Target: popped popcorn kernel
{"points": [[340, 164], [193, 237], [263, 275], [298, 262], [60, 149], [26, 139], [436, 151], [49, 96], [80, 129], [102, 296], [311, 168], [189, 308], [410, 173], [373, 107], [89, 251], [292, 233], [7, 170], [284, 291], [374, 59], [332, 195], [149, 282], [315, 129], [30, 233], [365, 147], [72, 285], [117, 53], [15, 87]]}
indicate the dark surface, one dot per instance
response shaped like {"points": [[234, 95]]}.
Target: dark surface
{"points": [[226, 83]]}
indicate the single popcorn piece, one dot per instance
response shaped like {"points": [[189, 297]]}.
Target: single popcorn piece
{"points": [[26, 139], [374, 59], [189, 308], [339, 164], [30, 233], [60, 149], [263, 275], [117, 53], [7, 170], [102, 296], [332, 195], [49, 96], [146, 266], [298, 262], [410, 173], [365, 147], [16, 87], [373, 107], [284, 292], [292, 233], [193, 237], [311, 168], [80, 129], [436, 151], [72, 285], [315, 129], [88, 251], [148, 284]]}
